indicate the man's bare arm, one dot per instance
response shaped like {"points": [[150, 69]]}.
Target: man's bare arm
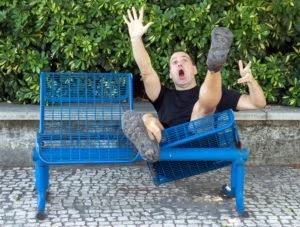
{"points": [[141, 56]]}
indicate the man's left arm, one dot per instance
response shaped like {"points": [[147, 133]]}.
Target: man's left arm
{"points": [[256, 98]]}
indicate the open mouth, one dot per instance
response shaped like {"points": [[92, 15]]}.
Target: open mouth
{"points": [[181, 74]]}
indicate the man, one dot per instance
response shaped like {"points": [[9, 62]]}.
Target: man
{"points": [[188, 101]]}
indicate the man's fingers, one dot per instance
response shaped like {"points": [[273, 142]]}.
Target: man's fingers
{"points": [[134, 13], [240, 65], [153, 127], [154, 132], [161, 127], [241, 81], [141, 14], [151, 136], [247, 78], [248, 65], [125, 19], [148, 25], [157, 135], [244, 71], [129, 15]]}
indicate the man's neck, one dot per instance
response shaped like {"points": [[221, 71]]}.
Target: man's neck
{"points": [[185, 87]]}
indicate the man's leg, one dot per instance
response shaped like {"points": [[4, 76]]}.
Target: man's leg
{"points": [[211, 89], [144, 131], [209, 96]]}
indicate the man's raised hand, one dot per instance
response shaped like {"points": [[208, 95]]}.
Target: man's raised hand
{"points": [[135, 23], [246, 75]]}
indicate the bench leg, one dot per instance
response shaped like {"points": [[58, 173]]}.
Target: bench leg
{"points": [[233, 179], [230, 191], [236, 188], [239, 194], [41, 184], [240, 171]]}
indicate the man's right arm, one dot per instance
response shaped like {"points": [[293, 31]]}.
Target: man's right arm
{"points": [[142, 59]]}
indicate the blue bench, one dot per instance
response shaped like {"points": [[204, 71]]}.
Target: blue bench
{"points": [[80, 123]]}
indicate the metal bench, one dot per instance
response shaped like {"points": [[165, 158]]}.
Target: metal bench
{"points": [[80, 123]]}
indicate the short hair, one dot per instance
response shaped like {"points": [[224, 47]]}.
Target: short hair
{"points": [[190, 56]]}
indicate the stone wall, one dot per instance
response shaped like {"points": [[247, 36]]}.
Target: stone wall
{"points": [[17, 142], [271, 142]]}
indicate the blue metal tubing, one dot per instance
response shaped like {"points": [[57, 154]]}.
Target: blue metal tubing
{"points": [[233, 180], [240, 173], [42, 101], [130, 91], [208, 154], [237, 180], [83, 100], [76, 135], [137, 157], [42, 184]]}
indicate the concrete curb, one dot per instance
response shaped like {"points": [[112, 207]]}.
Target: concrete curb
{"points": [[278, 113], [272, 134]]}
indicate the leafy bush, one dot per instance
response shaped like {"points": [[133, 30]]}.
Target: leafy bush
{"points": [[90, 35]]}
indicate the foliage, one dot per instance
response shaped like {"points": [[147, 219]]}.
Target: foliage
{"points": [[90, 35]]}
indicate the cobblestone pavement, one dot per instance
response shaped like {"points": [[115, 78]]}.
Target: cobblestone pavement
{"points": [[126, 196]]}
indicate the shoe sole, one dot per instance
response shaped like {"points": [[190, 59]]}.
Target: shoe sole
{"points": [[221, 40], [135, 130]]}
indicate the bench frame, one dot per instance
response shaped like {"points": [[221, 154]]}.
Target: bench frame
{"points": [[59, 92]]}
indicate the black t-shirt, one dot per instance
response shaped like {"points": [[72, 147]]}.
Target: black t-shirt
{"points": [[175, 107]]}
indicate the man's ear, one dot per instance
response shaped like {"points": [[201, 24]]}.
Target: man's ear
{"points": [[195, 70], [171, 78]]}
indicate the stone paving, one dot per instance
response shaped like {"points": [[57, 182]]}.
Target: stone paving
{"points": [[125, 196]]}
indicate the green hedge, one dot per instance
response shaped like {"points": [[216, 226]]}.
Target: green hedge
{"points": [[90, 35]]}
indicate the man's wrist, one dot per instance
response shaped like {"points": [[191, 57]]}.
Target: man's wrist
{"points": [[135, 39], [251, 82]]}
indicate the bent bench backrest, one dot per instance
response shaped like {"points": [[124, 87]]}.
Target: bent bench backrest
{"points": [[83, 111], [214, 131]]}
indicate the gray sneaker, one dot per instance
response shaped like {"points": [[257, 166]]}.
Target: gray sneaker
{"points": [[221, 39], [135, 130]]}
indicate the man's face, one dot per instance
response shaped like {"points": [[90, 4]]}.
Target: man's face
{"points": [[182, 71]]}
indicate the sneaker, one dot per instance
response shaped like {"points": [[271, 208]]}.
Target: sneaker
{"points": [[135, 130], [221, 39]]}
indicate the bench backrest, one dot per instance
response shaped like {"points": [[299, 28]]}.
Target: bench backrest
{"points": [[80, 114]]}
